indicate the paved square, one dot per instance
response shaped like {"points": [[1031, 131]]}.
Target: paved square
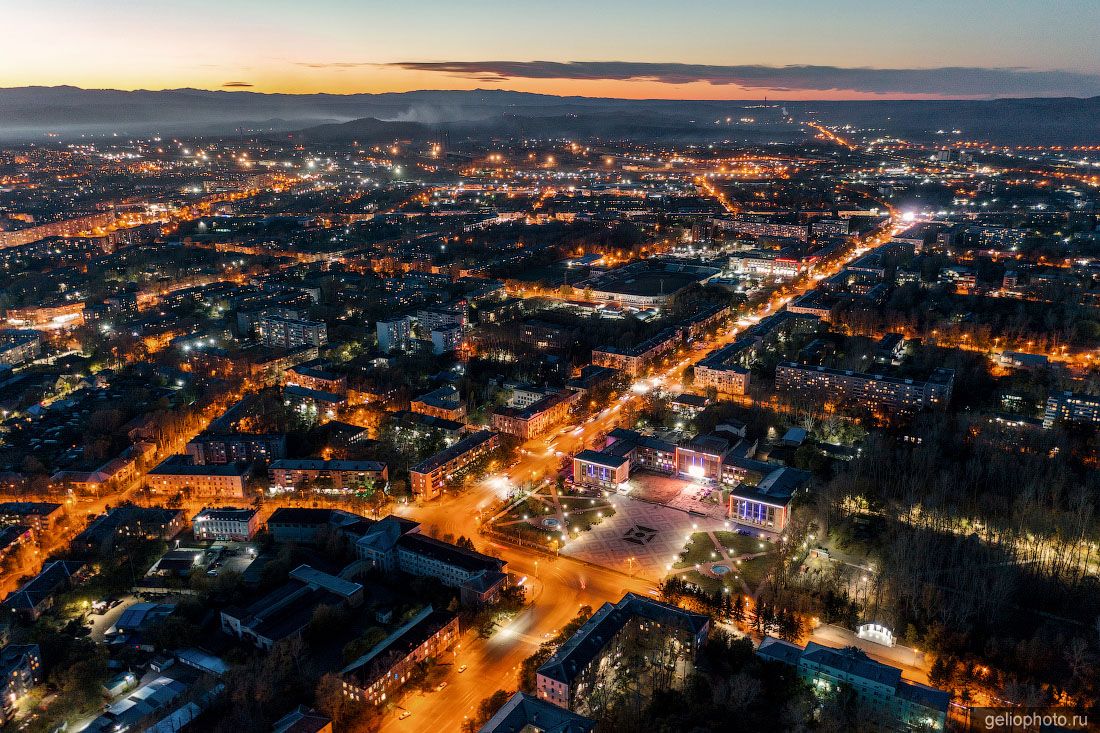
{"points": [[653, 535], [677, 493]]}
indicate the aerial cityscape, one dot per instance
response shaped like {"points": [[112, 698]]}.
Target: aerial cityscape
{"points": [[682, 368]]}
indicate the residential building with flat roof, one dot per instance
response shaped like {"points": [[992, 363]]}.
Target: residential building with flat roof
{"points": [[894, 703], [876, 392], [428, 477], [1071, 407], [536, 419], [394, 335], [209, 448], [177, 474], [333, 476], [290, 333]]}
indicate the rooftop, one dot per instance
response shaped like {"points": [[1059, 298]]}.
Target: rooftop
{"points": [[471, 441], [523, 713], [444, 552], [374, 664], [225, 514], [585, 645], [317, 464], [600, 458]]}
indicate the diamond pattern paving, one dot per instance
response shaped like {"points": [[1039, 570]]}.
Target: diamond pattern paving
{"points": [[651, 534]]}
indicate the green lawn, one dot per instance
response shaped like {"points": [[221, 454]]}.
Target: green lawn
{"points": [[739, 544], [753, 571], [527, 508], [702, 551], [578, 503], [525, 531]]}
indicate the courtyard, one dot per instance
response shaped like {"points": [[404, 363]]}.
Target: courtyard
{"points": [[676, 493]]}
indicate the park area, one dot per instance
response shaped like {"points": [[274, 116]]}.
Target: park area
{"points": [[723, 559]]}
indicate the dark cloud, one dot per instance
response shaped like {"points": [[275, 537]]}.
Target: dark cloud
{"points": [[237, 84], [946, 81]]}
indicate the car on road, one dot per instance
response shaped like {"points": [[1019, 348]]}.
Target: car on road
{"points": [[462, 669], [404, 714], [440, 686]]}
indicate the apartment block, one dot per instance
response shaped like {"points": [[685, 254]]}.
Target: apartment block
{"points": [[535, 419], [428, 477], [876, 392]]}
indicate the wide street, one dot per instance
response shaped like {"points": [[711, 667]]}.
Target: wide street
{"points": [[557, 588]]}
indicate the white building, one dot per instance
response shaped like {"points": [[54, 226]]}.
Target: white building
{"points": [[225, 523]]}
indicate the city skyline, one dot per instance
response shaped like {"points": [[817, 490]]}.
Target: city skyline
{"points": [[565, 368], [696, 50]]}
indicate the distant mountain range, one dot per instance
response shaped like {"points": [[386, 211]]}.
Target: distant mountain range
{"points": [[27, 113]]}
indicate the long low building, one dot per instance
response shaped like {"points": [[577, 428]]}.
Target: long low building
{"points": [[428, 477], [375, 676], [876, 392], [525, 713], [36, 596], [394, 544], [176, 475], [41, 516], [894, 703], [306, 525], [285, 612], [19, 346], [578, 666], [536, 419], [635, 360], [333, 476]]}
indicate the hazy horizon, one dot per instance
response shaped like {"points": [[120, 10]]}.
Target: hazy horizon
{"points": [[697, 50]]}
